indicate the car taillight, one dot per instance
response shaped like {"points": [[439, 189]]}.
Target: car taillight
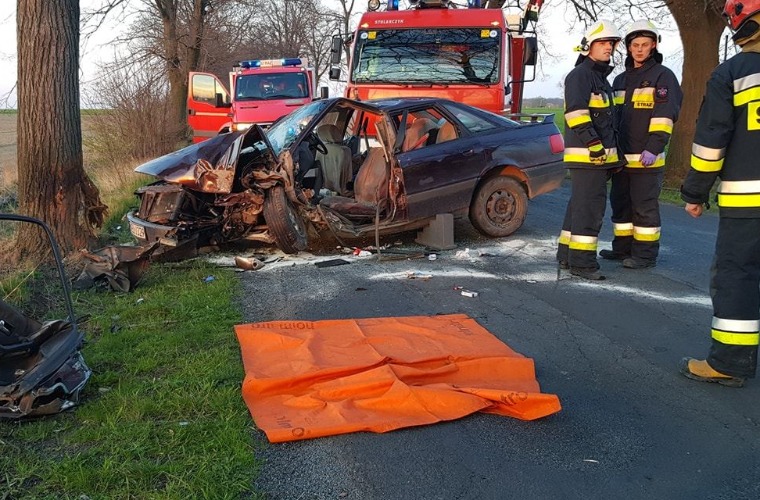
{"points": [[557, 143]]}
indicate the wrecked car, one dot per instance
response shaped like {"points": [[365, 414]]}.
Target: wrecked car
{"points": [[42, 371], [353, 168]]}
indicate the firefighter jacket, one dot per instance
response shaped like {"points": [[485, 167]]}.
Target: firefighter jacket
{"points": [[727, 137], [648, 100], [589, 116]]}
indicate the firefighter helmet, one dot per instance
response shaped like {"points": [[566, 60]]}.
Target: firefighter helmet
{"points": [[645, 28], [600, 30], [738, 11], [743, 18]]}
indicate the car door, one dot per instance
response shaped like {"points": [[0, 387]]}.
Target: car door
{"points": [[440, 175], [208, 105]]}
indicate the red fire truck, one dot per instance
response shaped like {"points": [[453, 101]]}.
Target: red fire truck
{"points": [[261, 91], [476, 55]]}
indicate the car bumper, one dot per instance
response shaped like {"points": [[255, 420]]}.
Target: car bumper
{"points": [[148, 232]]}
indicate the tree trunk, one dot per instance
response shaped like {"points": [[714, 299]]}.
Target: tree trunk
{"points": [[176, 74], [52, 183], [700, 34]]}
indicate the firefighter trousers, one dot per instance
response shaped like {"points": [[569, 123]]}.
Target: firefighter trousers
{"points": [[583, 218], [634, 198], [735, 291]]}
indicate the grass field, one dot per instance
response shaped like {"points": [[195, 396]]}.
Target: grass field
{"points": [[162, 415]]}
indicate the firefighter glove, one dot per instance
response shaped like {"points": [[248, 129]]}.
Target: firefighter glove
{"points": [[597, 153], [647, 159]]}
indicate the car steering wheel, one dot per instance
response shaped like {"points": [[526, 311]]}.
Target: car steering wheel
{"points": [[315, 141]]}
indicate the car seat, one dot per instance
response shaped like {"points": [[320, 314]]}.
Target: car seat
{"points": [[447, 132], [336, 164], [370, 189], [418, 133]]}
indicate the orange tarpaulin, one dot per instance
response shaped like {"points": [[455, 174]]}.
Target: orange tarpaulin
{"points": [[307, 379]]}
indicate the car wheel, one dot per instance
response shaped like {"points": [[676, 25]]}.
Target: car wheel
{"points": [[286, 227], [499, 206]]}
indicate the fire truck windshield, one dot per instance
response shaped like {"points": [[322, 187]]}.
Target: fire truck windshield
{"points": [[441, 56], [270, 86]]}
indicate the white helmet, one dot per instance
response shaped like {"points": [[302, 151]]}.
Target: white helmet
{"points": [[642, 27], [600, 30]]}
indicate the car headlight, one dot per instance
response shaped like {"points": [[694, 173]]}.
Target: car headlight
{"points": [[238, 127]]}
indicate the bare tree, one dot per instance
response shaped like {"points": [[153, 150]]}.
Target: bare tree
{"points": [[52, 183]]}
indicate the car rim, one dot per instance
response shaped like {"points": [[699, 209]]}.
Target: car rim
{"points": [[500, 207], [295, 222]]}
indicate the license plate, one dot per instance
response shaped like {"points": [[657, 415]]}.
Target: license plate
{"points": [[137, 231]]}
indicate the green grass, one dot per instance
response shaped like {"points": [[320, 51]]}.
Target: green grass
{"points": [[162, 416]]}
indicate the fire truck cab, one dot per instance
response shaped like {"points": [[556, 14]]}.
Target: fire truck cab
{"points": [[260, 91], [475, 55]]}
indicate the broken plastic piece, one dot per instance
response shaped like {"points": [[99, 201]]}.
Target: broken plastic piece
{"points": [[469, 293]]}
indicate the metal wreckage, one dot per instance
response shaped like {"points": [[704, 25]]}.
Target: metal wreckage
{"points": [[42, 371]]}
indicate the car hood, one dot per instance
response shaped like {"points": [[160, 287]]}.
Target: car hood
{"points": [[208, 166]]}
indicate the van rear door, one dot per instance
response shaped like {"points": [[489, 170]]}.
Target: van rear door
{"points": [[208, 105]]}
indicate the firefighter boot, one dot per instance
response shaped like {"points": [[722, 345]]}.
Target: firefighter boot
{"points": [[698, 369], [612, 255], [587, 273]]}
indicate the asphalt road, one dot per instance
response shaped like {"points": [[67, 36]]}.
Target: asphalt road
{"points": [[630, 426]]}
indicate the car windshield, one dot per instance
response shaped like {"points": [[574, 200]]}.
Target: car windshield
{"points": [[284, 132], [445, 56], [271, 86]]}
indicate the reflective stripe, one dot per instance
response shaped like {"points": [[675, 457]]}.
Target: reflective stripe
{"points": [[746, 89], [736, 331], [642, 92], [707, 153], [598, 101], [619, 97], [661, 125], [736, 325], [738, 200], [581, 155], [646, 233], [578, 242], [735, 338], [747, 96], [746, 82], [737, 187], [577, 117], [701, 165], [634, 161], [623, 228], [564, 237]]}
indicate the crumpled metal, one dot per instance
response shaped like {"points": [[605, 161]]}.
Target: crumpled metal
{"points": [[121, 267]]}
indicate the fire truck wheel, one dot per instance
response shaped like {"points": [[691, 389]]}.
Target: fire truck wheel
{"points": [[499, 206], [286, 226]]}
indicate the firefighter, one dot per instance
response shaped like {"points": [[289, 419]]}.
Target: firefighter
{"points": [[648, 99], [590, 149], [725, 146]]}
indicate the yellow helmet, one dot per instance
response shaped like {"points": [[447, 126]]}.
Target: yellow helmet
{"points": [[600, 30]]}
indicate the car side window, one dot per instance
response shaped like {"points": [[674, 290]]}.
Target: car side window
{"points": [[471, 122], [427, 127], [205, 88]]}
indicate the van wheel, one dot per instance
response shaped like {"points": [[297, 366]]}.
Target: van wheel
{"points": [[286, 227], [499, 206]]}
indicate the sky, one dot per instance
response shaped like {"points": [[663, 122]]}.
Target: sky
{"points": [[559, 37]]}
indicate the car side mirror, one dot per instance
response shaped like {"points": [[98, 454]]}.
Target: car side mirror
{"points": [[335, 49], [530, 51], [334, 73]]}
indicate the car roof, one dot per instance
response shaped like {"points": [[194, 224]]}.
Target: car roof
{"points": [[393, 104]]}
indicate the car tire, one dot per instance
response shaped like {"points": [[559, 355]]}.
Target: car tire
{"points": [[286, 227], [499, 206]]}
